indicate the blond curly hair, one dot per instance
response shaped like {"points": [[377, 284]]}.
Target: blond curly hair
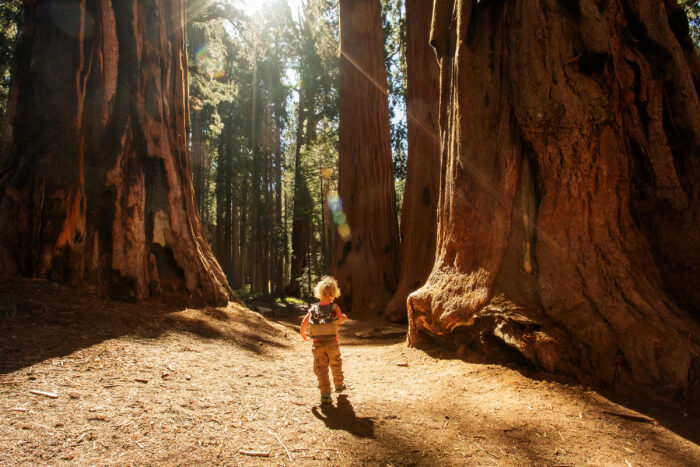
{"points": [[327, 288]]}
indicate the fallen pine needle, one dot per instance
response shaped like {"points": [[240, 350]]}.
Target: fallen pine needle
{"points": [[19, 409], [141, 380], [298, 403], [628, 464], [52, 395], [402, 364], [254, 453], [10, 382], [280, 441]]}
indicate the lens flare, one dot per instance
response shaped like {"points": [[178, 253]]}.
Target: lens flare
{"points": [[210, 62], [334, 202], [340, 217], [336, 206], [344, 232]]}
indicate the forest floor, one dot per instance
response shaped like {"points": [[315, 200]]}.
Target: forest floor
{"points": [[154, 383]]}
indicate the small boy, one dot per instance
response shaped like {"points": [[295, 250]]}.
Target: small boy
{"points": [[322, 321]]}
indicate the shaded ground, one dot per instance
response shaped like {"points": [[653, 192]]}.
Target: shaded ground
{"points": [[217, 381]]}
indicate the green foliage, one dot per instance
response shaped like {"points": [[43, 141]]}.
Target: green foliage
{"points": [[692, 11]]}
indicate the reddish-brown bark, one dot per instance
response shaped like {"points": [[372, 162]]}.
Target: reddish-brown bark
{"points": [[98, 189], [569, 216], [419, 211], [365, 263]]}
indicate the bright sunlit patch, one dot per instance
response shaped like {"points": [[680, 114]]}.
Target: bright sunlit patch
{"points": [[210, 62], [250, 7]]}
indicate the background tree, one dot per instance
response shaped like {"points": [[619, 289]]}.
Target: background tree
{"points": [[567, 224], [314, 158], [10, 19], [366, 255], [97, 188], [394, 30], [419, 212]]}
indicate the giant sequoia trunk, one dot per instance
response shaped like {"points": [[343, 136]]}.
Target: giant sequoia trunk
{"points": [[419, 211], [97, 188], [365, 261], [569, 215]]}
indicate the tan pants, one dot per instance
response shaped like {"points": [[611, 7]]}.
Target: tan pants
{"points": [[327, 353]]}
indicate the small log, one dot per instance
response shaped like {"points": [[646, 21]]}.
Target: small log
{"points": [[52, 395], [253, 453]]}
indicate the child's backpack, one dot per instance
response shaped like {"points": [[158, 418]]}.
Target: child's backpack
{"points": [[323, 320]]}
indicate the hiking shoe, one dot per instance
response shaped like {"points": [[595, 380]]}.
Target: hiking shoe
{"points": [[340, 389], [326, 399]]}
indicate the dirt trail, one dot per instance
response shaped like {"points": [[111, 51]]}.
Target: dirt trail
{"points": [[217, 381]]}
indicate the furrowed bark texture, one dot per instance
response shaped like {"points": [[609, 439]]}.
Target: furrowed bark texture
{"points": [[419, 211], [569, 216], [98, 188], [365, 263]]}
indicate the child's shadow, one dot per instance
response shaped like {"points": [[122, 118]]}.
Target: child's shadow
{"points": [[343, 417]]}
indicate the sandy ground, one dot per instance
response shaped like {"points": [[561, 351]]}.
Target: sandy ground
{"points": [[155, 383]]}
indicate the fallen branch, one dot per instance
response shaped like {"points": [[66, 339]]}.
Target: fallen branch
{"points": [[635, 418], [280, 441], [254, 453], [52, 395]]}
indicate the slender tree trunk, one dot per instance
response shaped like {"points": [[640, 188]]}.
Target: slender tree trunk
{"points": [[419, 212], [228, 206], [366, 260], [97, 189], [221, 198], [199, 165], [281, 228], [235, 278], [267, 212], [569, 217], [300, 218], [244, 236]]}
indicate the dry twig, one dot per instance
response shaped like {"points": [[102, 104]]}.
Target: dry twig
{"points": [[635, 418], [52, 395], [253, 453], [280, 441]]}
